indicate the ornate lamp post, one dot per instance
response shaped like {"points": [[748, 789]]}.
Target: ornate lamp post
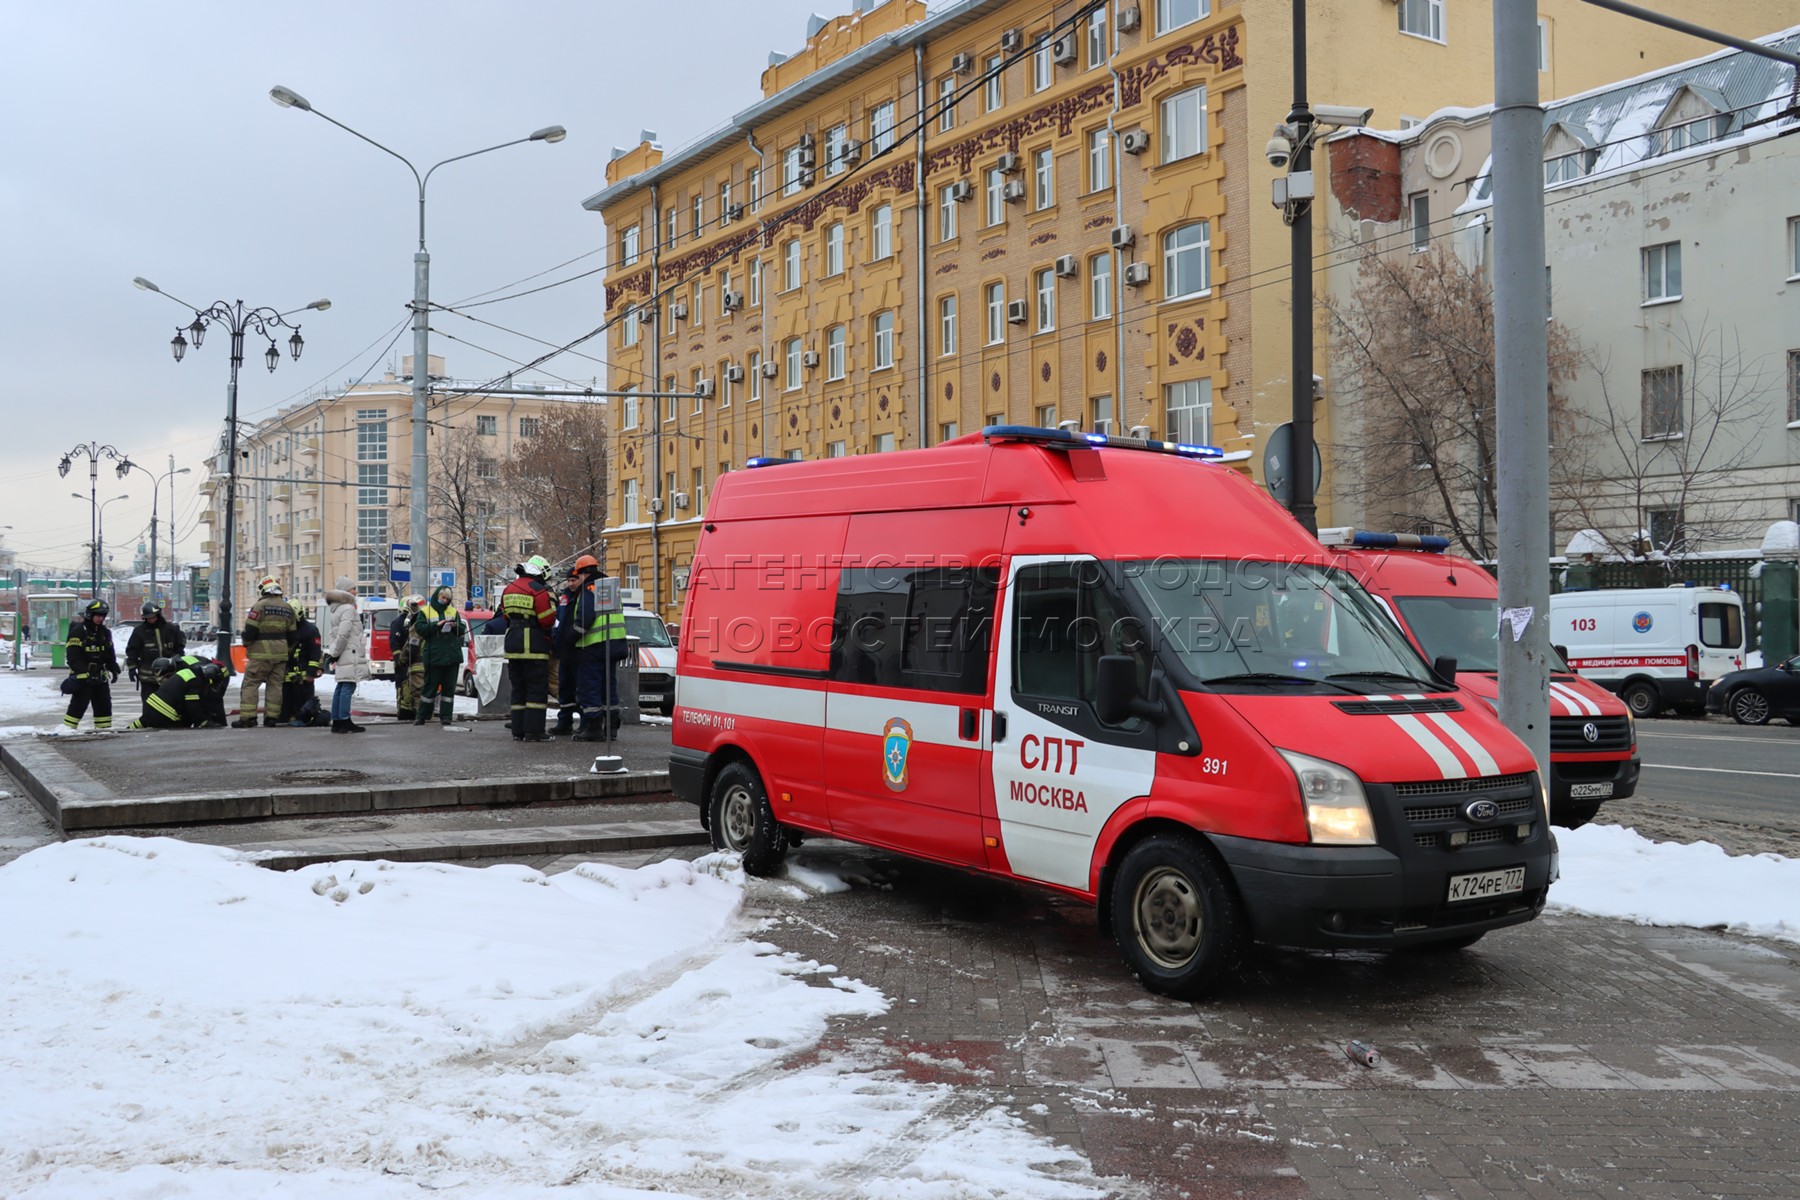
{"points": [[93, 452], [238, 320], [156, 482], [419, 499]]}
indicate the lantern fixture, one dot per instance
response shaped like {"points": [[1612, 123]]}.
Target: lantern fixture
{"points": [[296, 344], [272, 356], [178, 344]]}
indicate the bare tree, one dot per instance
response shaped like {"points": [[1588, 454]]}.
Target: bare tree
{"points": [[464, 486], [1650, 475], [1414, 358], [558, 482]]}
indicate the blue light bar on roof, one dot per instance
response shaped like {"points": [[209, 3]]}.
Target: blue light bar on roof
{"points": [[1400, 541], [1064, 439], [753, 463]]}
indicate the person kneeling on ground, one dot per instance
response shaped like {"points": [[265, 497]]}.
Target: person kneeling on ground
{"points": [[188, 697]]}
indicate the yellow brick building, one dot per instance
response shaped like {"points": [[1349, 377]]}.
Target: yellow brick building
{"points": [[1004, 211]]}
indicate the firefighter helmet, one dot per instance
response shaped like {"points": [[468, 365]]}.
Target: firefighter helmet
{"points": [[586, 562], [96, 608], [414, 600], [162, 666], [150, 609], [269, 586], [536, 566]]}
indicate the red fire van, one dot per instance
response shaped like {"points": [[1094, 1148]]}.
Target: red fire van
{"points": [[1450, 607], [1102, 665]]}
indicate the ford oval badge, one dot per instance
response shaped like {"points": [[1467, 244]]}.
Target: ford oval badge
{"points": [[1481, 811]]}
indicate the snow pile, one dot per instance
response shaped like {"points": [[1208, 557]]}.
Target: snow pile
{"points": [[180, 1023], [1610, 871]]}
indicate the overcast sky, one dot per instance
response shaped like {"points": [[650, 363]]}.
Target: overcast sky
{"points": [[140, 140]]}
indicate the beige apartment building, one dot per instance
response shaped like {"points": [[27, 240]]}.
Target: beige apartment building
{"points": [[323, 490], [1005, 211]]}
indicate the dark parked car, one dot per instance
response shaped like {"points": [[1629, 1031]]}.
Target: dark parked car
{"points": [[1753, 696]]}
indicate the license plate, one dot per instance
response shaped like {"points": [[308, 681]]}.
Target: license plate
{"points": [[1590, 791], [1484, 885], [650, 698]]}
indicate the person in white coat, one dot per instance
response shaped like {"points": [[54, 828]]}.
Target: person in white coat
{"points": [[349, 657]]}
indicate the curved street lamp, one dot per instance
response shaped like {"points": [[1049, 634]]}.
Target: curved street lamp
{"points": [[238, 320], [418, 499], [99, 526], [156, 481], [93, 452]]}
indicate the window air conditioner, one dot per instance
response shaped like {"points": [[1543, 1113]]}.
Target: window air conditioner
{"points": [[810, 358], [1062, 51], [806, 176], [1134, 141], [735, 213], [734, 301], [1012, 40], [1015, 190], [735, 373], [1122, 236], [851, 154], [771, 369], [656, 506], [678, 310], [960, 190], [1008, 163], [1016, 312], [681, 499], [1137, 274], [1130, 17], [962, 64], [1067, 267], [703, 388]]}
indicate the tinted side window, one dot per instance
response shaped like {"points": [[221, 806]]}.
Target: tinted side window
{"points": [[1065, 618], [929, 628], [1721, 625]]}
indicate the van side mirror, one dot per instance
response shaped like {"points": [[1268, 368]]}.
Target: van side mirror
{"points": [[1116, 698], [1444, 667]]}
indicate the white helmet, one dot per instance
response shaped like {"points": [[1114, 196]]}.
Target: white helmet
{"points": [[270, 586]]}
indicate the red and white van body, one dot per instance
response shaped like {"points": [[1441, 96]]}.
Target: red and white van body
{"points": [[1655, 647], [981, 745], [1450, 606]]}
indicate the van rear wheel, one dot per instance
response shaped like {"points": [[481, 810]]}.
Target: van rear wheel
{"points": [[1642, 699], [742, 821], [1176, 917]]}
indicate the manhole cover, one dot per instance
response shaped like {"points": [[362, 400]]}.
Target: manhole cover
{"points": [[316, 775]]}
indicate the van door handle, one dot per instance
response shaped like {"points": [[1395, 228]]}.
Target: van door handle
{"points": [[999, 727], [970, 727]]}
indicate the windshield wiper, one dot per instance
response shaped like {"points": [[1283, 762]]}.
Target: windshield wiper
{"points": [[1275, 677], [1413, 680]]}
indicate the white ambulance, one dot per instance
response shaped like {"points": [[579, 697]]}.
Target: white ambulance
{"points": [[1655, 647]]}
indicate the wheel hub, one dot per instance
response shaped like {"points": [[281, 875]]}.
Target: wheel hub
{"points": [[738, 818], [1169, 920]]}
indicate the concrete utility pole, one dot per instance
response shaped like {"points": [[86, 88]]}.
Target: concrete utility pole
{"points": [[1521, 381]]}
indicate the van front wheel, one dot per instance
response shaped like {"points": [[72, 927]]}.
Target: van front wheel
{"points": [[1642, 699], [1175, 917], [742, 821]]}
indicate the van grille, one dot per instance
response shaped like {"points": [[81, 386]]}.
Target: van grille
{"points": [[1395, 708], [1461, 787], [1477, 837], [1567, 736], [1426, 814]]}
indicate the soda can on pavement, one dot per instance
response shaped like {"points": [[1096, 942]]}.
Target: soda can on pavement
{"points": [[1362, 1053]]}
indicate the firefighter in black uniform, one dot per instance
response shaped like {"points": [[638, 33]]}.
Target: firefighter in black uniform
{"points": [[305, 661], [93, 667], [187, 697], [154, 638]]}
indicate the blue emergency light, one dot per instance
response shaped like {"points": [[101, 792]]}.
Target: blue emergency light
{"points": [[752, 464], [1065, 439], [1364, 539]]}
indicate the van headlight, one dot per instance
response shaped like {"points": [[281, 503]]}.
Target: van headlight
{"points": [[1337, 811]]}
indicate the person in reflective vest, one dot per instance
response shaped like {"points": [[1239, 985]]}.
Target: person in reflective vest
{"points": [[599, 645], [530, 613], [186, 697], [268, 640], [93, 667], [154, 638], [442, 633]]}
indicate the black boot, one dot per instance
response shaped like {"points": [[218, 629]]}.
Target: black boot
{"points": [[353, 726], [565, 721], [340, 727], [244, 723], [589, 732]]}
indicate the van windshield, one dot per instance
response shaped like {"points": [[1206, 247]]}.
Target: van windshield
{"points": [[1467, 628], [647, 628], [1268, 624], [1721, 626]]}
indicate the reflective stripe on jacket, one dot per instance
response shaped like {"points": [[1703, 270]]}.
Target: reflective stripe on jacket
{"points": [[529, 614]]}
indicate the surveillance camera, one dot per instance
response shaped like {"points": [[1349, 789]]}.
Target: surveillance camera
{"points": [[1342, 115], [1279, 151]]}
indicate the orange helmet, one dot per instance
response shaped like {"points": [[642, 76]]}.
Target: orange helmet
{"points": [[586, 562]]}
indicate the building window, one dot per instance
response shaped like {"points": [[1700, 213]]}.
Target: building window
{"points": [[790, 172], [1187, 260], [630, 415], [1418, 208], [669, 411], [1662, 389], [1793, 380], [835, 352], [790, 265], [753, 284], [996, 313], [629, 502], [1794, 247], [946, 214], [1100, 286], [884, 340], [699, 214], [725, 385], [993, 92], [884, 442], [1043, 66], [837, 450], [1564, 168], [753, 178], [1046, 301], [948, 430], [633, 577], [1189, 408], [628, 246], [1100, 414], [1423, 18], [1173, 14], [371, 435], [1543, 44], [1662, 272], [672, 222], [699, 400], [1099, 160], [836, 141], [487, 426], [486, 468], [947, 325], [1668, 532], [1673, 138], [371, 526], [792, 352], [1096, 37], [371, 484], [881, 232], [1046, 416], [628, 331], [946, 104], [1184, 124], [881, 128], [1043, 173], [996, 197], [528, 427], [834, 248], [368, 569], [725, 203], [753, 368]]}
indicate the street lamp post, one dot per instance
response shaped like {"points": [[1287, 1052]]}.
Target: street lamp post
{"points": [[238, 320], [93, 452], [421, 305], [156, 482], [99, 526]]}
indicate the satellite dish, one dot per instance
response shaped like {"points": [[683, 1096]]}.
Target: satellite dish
{"points": [[1278, 464]]}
